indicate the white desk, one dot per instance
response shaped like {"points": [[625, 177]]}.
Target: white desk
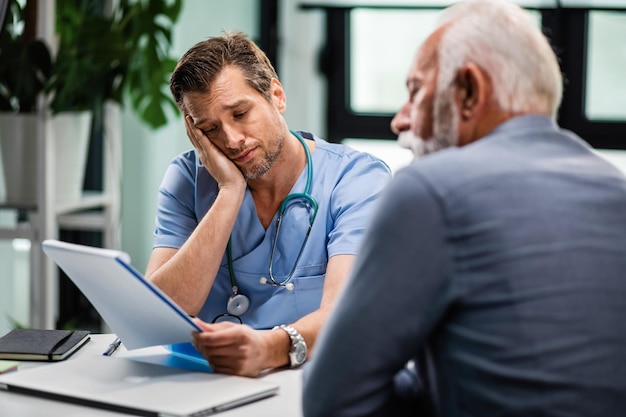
{"points": [[285, 404]]}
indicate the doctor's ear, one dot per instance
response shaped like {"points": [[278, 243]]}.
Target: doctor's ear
{"points": [[278, 95]]}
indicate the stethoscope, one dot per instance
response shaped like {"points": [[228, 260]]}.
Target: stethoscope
{"points": [[239, 303]]}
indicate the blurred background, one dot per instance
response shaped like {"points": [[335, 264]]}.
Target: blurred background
{"points": [[342, 63]]}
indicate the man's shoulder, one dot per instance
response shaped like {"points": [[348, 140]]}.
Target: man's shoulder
{"points": [[186, 159], [451, 161], [453, 169], [518, 152], [343, 155], [183, 168]]}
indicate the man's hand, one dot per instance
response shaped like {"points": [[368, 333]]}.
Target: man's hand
{"points": [[222, 169], [232, 348]]}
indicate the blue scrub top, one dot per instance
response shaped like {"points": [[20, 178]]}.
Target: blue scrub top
{"points": [[346, 185]]}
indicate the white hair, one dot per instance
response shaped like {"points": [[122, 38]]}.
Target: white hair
{"points": [[502, 39]]}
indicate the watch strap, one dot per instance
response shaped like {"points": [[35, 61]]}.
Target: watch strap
{"points": [[297, 341]]}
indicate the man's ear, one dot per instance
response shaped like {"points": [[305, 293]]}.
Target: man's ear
{"points": [[278, 95], [471, 90]]}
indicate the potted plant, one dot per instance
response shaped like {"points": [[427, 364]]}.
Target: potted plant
{"points": [[113, 55], [26, 62], [25, 68], [106, 55]]}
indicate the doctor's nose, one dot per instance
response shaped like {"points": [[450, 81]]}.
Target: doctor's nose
{"points": [[233, 138]]}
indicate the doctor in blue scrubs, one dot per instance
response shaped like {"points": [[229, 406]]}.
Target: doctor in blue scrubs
{"points": [[258, 226]]}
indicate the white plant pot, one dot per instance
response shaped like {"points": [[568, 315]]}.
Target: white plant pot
{"points": [[18, 147], [71, 143]]}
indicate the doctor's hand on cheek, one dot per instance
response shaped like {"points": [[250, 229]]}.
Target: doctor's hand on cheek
{"points": [[232, 348], [221, 168]]}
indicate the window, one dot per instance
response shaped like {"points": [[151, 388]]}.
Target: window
{"points": [[606, 67], [366, 74], [378, 56], [377, 69]]}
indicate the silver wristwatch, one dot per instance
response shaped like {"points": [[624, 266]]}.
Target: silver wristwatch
{"points": [[297, 353]]}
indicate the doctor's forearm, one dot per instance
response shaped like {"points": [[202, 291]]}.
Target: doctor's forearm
{"points": [[188, 275]]}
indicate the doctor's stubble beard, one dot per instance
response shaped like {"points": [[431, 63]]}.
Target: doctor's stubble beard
{"points": [[264, 166]]}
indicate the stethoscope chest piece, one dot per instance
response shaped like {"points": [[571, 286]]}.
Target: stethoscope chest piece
{"points": [[237, 304]]}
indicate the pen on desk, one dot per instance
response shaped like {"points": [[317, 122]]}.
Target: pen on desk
{"points": [[112, 347]]}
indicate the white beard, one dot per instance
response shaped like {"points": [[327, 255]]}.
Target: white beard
{"points": [[422, 147], [407, 140], [446, 132]]}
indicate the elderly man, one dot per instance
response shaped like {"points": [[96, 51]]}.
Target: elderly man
{"points": [[493, 278]]}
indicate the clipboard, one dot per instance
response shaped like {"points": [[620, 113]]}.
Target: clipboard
{"points": [[134, 308]]}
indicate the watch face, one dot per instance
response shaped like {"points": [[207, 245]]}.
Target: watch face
{"points": [[300, 353]]}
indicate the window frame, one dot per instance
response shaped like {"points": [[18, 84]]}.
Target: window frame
{"points": [[563, 26]]}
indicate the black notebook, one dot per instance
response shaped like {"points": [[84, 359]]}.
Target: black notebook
{"points": [[41, 344]]}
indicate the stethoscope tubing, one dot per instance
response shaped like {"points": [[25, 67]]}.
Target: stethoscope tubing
{"points": [[235, 301]]}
